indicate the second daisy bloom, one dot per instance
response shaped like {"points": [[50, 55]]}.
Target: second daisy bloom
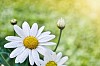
{"points": [[53, 59]]}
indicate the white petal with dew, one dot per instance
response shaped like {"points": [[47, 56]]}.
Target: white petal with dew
{"points": [[53, 56], [42, 63]]}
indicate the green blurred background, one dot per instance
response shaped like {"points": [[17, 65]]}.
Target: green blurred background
{"points": [[81, 36]]}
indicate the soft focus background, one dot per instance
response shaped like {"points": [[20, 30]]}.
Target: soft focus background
{"points": [[81, 36]]}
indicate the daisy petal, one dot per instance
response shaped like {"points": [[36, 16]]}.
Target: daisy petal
{"points": [[26, 28], [37, 62], [53, 56], [36, 57], [47, 57], [34, 30], [40, 30], [44, 34], [13, 44], [13, 38], [48, 43], [62, 65], [17, 60], [35, 54], [47, 38], [19, 31], [42, 50], [16, 52], [31, 58], [24, 55], [59, 55], [42, 63], [63, 60]]}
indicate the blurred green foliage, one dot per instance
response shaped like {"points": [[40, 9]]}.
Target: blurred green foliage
{"points": [[80, 39]]}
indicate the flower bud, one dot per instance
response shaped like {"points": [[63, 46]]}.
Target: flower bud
{"points": [[61, 23], [13, 21]]}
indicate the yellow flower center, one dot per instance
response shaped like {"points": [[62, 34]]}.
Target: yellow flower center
{"points": [[30, 42], [51, 63]]}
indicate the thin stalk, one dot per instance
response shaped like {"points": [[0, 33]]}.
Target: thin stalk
{"points": [[4, 53], [58, 40], [14, 32], [6, 63]]}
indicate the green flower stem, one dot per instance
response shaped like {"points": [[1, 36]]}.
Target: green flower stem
{"points": [[14, 32], [5, 62], [58, 40], [4, 53]]}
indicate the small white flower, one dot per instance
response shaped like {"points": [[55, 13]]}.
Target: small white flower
{"points": [[53, 59], [61, 23], [30, 42]]}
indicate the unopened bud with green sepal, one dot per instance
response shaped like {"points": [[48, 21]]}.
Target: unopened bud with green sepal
{"points": [[61, 23], [13, 21]]}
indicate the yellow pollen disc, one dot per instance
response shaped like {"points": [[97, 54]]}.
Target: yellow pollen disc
{"points": [[51, 63], [30, 42]]}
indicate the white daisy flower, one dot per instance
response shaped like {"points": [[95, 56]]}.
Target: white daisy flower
{"points": [[31, 42], [54, 59]]}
